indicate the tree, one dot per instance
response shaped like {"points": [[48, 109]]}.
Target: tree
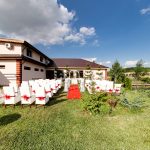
{"points": [[116, 72], [139, 69]]}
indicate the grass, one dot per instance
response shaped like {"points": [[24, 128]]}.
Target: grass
{"points": [[63, 125]]}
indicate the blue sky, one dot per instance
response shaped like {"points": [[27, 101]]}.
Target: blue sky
{"points": [[101, 30]]}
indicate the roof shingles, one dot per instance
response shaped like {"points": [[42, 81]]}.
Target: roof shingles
{"points": [[75, 63]]}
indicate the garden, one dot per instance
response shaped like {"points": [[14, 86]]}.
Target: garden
{"points": [[97, 121], [73, 124]]}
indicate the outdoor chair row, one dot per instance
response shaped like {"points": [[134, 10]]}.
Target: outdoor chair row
{"points": [[102, 85], [33, 91]]}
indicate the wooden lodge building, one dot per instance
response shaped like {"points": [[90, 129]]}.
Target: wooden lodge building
{"points": [[20, 61]]}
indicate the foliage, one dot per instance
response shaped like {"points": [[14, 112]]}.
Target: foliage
{"points": [[139, 70], [132, 69], [93, 102], [112, 101], [128, 83], [117, 75], [62, 125], [133, 103], [116, 72], [146, 80]]}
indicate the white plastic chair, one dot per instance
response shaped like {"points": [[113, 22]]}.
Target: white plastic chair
{"points": [[15, 86], [59, 83], [109, 86], [117, 88], [67, 84], [9, 96], [26, 97], [74, 81], [53, 86], [41, 97], [1, 98], [48, 90], [82, 85]]}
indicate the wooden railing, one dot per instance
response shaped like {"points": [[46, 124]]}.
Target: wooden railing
{"points": [[140, 86]]}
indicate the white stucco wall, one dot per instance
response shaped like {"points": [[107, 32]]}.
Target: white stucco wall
{"points": [[35, 55], [9, 73], [32, 74], [15, 50], [95, 75]]}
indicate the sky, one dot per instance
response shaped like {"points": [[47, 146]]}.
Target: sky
{"points": [[97, 30]]}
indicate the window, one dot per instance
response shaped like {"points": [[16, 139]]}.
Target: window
{"points": [[41, 58], [29, 52], [2, 66], [81, 74], [42, 70], [27, 68], [47, 62], [36, 69]]}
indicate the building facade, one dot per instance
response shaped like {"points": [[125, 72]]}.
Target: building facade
{"points": [[76, 68], [20, 61]]}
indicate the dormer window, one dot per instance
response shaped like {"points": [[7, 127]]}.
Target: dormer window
{"points": [[29, 53], [41, 59]]}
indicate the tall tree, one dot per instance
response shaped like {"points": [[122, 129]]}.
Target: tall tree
{"points": [[139, 69], [116, 72]]}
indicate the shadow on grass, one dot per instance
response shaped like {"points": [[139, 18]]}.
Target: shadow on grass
{"points": [[60, 93], [54, 102], [9, 119], [59, 97]]}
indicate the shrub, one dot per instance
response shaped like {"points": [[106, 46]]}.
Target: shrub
{"points": [[93, 102], [128, 84], [133, 104], [98, 102], [146, 80]]}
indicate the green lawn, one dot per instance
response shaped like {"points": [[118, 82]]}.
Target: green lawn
{"points": [[64, 125]]}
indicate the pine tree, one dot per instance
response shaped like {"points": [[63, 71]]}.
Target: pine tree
{"points": [[139, 69], [116, 72]]}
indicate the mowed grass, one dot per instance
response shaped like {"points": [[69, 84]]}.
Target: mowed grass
{"points": [[63, 125]]}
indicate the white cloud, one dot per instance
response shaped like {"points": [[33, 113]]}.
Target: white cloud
{"points": [[131, 63], [87, 31], [105, 63], [93, 59], [81, 35], [39, 21], [96, 43], [145, 11], [147, 64], [108, 62]]}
